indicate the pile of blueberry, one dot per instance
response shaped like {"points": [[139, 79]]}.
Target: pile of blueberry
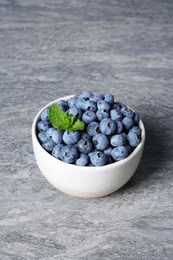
{"points": [[111, 131]]}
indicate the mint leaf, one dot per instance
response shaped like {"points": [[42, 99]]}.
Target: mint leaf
{"points": [[63, 121], [78, 125]]}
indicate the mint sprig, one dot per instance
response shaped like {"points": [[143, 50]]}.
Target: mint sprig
{"points": [[62, 121]]}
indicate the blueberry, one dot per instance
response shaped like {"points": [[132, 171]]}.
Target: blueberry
{"points": [[85, 94], [136, 118], [62, 104], [98, 158], [63, 108], [102, 104], [75, 111], [48, 145], [127, 123], [127, 112], [102, 113], [121, 105], [109, 98], [71, 102], [136, 130], [124, 135], [42, 137], [129, 148], [107, 126], [55, 135], [88, 117], [118, 140], [69, 153], [43, 126], [109, 159], [44, 115], [85, 135], [80, 103], [97, 97], [119, 127], [119, 153], [116, 107], [83, 160], [93, 150], [100, 141], [71, 137], [56, 151], [50, 131], [91, 165], [93, 128], [90, 106], [116, 115], [133, 139], [108, 151], [85, 146]]}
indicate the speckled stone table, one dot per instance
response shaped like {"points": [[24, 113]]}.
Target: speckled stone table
{"points": [[49, 49]]}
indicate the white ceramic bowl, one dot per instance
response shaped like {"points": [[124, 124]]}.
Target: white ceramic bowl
{"points": [[84, 181]]}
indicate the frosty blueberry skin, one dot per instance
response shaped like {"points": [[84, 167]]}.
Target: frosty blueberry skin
{"points": [[136, 130], [119, 153], [97, 97], [43, 126], [71, 137], [102, 104], [127, 123], [42, 137], [93, 128], [133, 139], [55, 135], [119, 127], [98, 158], [116, 115], [88, 117], [90, 106], [107, 126], [109, 98], [85, 135], [118, 140], [44, 115], [48, 145], [75, 111], [71, 102], [50, 131], [126, 111], [85, 146], [102, 113], [83, 160], [111, 131], [136, 118], [56, 151], [80, 103], [62, 104], [108, 151], [100, 141], [69, 153], [85, 94]]}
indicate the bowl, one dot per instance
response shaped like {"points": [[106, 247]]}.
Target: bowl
{"points": [[85, 181]]}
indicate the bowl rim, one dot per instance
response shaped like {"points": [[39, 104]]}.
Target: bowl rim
{"points": [[89, 168]]}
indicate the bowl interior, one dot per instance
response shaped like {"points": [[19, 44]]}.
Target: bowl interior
{"points": [[136, 150]]}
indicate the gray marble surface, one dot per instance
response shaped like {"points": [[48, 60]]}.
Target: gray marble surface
{"points": [[49, 49]]}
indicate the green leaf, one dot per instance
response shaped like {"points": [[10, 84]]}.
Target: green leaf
{"points": [[78, 125], [62, 121]]}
